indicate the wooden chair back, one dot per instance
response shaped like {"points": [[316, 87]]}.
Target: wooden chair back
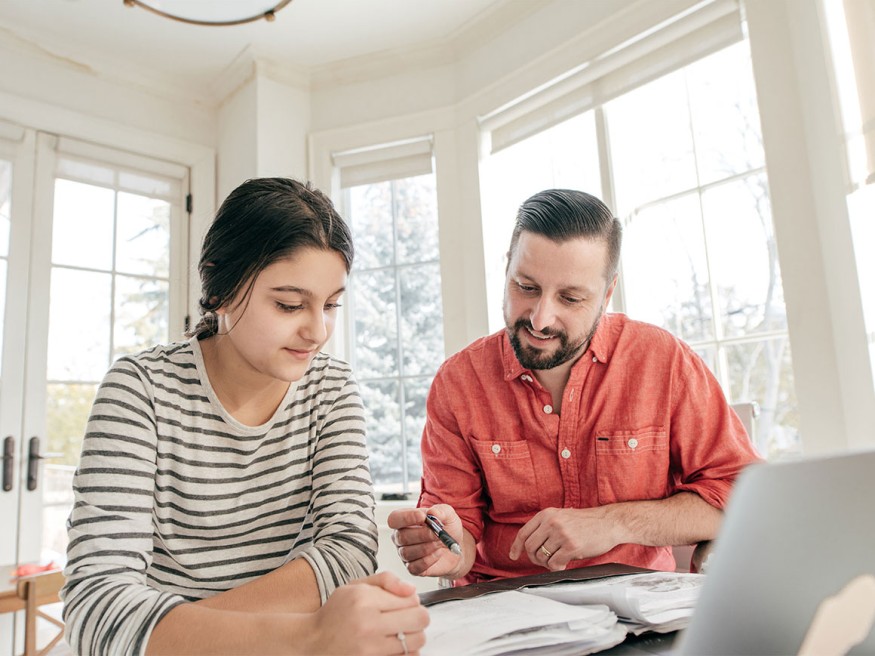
{"points": [[36, 591]]}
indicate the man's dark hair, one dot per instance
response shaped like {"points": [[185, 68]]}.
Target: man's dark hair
{"points": [[563, 214], [262, 221]]}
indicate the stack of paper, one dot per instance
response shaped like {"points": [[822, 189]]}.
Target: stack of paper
{"points": [[511, 622], [657, 601]]}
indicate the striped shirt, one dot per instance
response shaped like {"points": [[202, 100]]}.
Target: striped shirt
{"points": [[175, 500]]}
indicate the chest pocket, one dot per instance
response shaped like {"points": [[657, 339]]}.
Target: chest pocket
{"points": [[632, 464], [509, 475]]}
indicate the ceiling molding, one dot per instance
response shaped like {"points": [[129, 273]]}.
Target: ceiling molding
{"points": [[445, 51]]}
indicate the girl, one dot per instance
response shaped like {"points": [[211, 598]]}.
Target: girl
{"points": [[223, 498]]}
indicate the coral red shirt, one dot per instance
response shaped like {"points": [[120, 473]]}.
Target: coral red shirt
{"points": [[642, 418]]}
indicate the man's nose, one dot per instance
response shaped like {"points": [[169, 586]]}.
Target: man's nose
{"points": [[543, 315]]}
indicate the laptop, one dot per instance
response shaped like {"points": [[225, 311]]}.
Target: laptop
{"points": [[793, 569]]}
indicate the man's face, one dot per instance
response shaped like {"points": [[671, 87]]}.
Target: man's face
{"points": [[554, 297]]}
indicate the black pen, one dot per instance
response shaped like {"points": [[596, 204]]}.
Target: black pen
{"points": [[435, 525]]}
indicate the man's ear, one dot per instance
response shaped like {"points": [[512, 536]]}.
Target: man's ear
{"points": [[609, 292]]}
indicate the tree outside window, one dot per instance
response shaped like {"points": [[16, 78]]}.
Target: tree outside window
{"points": [[395, 319]]}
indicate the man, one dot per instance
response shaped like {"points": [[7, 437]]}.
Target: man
{"points": [[573, 437]]}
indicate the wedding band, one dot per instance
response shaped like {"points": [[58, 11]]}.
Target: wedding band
{"points": [[403, 639], [546, 552]]}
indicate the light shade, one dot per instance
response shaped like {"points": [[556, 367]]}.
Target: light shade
{"points": [[212, 12]]}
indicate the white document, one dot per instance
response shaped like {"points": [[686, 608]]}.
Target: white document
{"points": [[649, 600], [504, 622]]}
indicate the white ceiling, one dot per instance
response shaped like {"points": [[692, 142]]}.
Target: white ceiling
{"points": [[307, 35]]}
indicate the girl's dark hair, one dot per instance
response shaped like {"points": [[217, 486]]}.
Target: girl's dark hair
{"points": [[262, 221], [563, 214]]}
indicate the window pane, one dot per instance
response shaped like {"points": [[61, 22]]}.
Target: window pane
{"points": [[376, 329], [762, 372], [143, 235], [141, 314], [665, 271], [67, 410], [422, 330], [651, 146], [3, 278], [416, 215], [57, 486], [562, 157], [383, 417], [370, 218], [415, 394], [5, 205], [83, 225], [744, 257], [709, 355], [5, 227], [861, 208], [79, 325], [724, 114], [395, 225]]}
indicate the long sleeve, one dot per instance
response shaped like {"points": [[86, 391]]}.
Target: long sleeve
{"points": [[109, 608], [342, 504]]}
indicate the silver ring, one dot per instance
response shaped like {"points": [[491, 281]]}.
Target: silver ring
{"points": [[546, 552], [403, 640]]}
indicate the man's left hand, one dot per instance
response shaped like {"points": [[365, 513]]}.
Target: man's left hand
{"points": [[556, 536]]}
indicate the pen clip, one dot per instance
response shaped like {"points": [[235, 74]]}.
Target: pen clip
{"points": [[434, 522]]}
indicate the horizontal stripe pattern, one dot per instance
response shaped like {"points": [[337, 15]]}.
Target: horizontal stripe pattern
{"points": [[176, 501]]}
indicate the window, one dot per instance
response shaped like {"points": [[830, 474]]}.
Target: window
{"points": [[395, 319], [682, 166], [849, 36], [92, 248], [110, 295]]}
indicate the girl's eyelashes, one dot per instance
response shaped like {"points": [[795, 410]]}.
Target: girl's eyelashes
{"points": [[295, 308]]}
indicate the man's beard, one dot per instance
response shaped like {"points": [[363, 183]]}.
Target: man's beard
{"points": [[531, 358]]}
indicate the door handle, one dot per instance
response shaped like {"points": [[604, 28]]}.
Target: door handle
{"points": [[33, 458], [8, 462]]}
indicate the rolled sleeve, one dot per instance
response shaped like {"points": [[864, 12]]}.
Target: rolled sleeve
{"points": [[709, 444]]}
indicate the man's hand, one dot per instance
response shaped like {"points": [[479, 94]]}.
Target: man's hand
{"points": [[556, 536], [420, 549]]}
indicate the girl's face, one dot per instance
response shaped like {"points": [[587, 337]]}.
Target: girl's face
{"points": [[288, 316]]}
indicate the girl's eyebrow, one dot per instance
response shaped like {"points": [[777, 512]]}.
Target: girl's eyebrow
{"points": [[291, 289]]}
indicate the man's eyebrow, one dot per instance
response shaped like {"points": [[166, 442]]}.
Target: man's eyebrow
{"points": [[291, 289]]}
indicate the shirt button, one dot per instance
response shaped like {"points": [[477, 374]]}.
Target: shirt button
{"points": [[548, 409], [526, 378], [632, 443], [566, 453], [496, 448], [595, 359]]}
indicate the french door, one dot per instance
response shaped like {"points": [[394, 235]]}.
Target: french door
{"points": [[93, 244]]}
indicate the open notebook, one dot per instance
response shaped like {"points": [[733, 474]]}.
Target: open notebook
{"points": [[795, 534]]}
